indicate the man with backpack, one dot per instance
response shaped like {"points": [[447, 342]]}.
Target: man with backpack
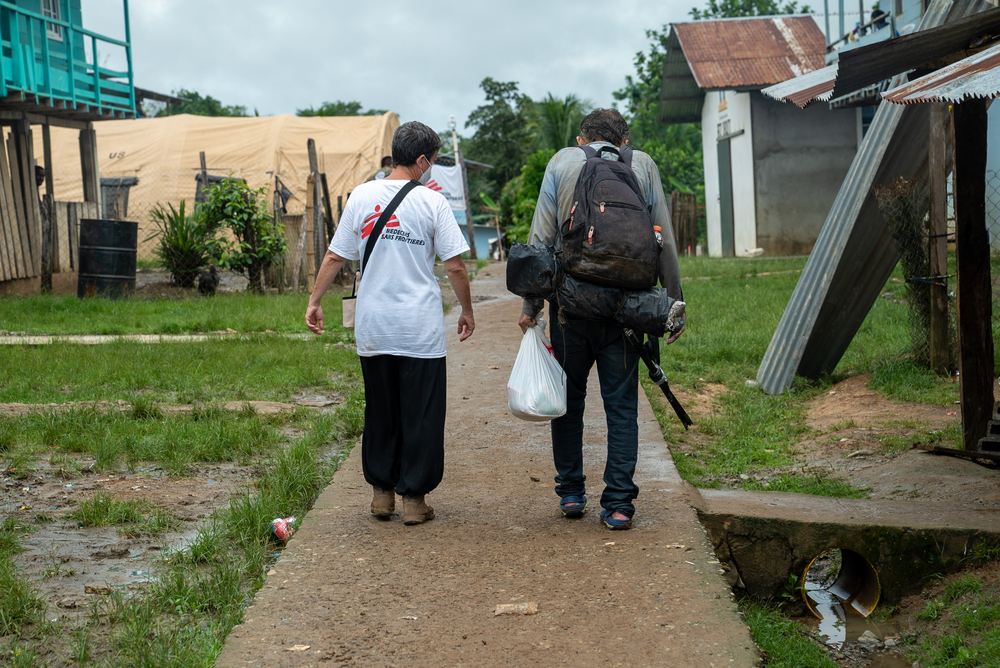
{"points": [[602, 217]]}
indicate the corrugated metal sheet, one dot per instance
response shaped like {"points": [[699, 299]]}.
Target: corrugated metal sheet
{"points": [[870, 64], [977, 76], [680, 97], [807, 88], [854, 254], [751, 52]]}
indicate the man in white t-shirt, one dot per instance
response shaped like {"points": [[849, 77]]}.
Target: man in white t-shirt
{"points": [[399, 322]]}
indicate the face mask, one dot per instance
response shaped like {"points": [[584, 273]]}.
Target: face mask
{"points": [[425, 177]]}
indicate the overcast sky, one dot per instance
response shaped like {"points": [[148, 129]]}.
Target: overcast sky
{"points": [[423, 60]]}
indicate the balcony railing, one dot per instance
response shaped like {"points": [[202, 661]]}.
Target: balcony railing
{"points": [[56, 73]]}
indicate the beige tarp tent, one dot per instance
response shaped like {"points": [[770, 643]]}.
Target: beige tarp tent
{"points": [[162, 153]]}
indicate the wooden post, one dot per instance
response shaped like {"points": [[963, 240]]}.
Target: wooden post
{"points": [[938, 343], [278, 271], [88, 164], [15, 235], [46, 213], [49, 219], [470, 230], [21, 219], [202, 196], [315, 211], [331, 224], [310, 233], [32, 207], [300, 251], [972, 250]]}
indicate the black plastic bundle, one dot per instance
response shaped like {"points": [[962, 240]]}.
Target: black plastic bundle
{"points": [[533, 272]]}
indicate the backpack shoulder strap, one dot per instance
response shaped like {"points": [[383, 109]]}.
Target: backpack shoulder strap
{"points": [[625, 152], [383, 219], [589, 151]]}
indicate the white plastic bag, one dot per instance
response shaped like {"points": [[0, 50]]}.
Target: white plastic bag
{"points": [[536, 390]]}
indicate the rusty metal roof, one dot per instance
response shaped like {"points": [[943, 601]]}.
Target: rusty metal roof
{"points": [[867, 65], [680, 97], [750, 53], [977, 76]]}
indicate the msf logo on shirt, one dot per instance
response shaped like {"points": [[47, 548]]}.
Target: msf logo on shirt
{"points": [[369, 224], [434, 185]]}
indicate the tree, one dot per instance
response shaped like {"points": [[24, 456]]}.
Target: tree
{"points": [[676, 149], [339, 108], [521, 194], [555, 122], [195, 104], [502, 137], [258, 243], [721, 9]]}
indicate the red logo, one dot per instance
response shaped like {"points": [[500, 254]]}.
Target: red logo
{"points": [[434, 185], [370, 221]]}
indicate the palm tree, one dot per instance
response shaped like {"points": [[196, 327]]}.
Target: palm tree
{"points": [[555, 122]]}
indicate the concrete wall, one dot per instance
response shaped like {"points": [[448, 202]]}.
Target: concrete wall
{"points": [[733, 116], [801, 157]]}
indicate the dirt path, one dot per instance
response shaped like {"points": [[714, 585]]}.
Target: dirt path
{"points": [[360, 592]]}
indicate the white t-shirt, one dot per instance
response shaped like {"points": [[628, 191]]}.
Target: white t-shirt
{"points": [[399, 308]]}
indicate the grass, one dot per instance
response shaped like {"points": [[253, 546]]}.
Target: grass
{"points": [[735, 305], [783, 642], [213, 579], [199, 593], [49, 314], [131, 516], [208, 434], [256, 368], [20, 604], [963, 629], [192, 601]]}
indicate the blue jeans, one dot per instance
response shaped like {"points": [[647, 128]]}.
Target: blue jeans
{"points": [[578, 346]]}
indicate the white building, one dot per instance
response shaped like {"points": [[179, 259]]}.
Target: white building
{"points": [[771, 170]]}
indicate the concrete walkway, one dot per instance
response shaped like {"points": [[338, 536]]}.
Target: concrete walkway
{"points": [[350, 590]]}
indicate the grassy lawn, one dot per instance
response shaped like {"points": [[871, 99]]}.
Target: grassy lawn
{"points": [[240, 311], [735, 305], [195, 595]]}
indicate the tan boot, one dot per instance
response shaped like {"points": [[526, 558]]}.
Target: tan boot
{"points": [[383, 503], [415, 511]]}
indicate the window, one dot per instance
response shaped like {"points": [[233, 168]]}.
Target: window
{"points": [[50, 9]]}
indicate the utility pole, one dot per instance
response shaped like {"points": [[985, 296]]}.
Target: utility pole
{"points": [[470, 230]]}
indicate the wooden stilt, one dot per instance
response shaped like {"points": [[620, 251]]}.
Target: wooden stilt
{"points": [[938, 343], [972, 250]]}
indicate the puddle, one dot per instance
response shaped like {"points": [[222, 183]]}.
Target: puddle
{"points": [[73, 566]]}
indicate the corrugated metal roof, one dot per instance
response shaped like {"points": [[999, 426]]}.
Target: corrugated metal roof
{"points": [[854, 254], [680, 98], [751, 52], [977, 76], [807, 88], [870, 64]]}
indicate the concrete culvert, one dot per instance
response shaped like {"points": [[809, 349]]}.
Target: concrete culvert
{"points": [[840, 578]]}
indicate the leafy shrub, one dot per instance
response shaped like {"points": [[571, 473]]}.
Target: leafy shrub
{"points": [[184, 244], [259, 242]]}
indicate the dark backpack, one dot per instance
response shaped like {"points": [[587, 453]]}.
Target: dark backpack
{"points": [[608, 238]]}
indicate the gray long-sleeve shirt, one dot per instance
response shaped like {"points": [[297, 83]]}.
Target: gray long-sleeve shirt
{"points": [[556, 198]]}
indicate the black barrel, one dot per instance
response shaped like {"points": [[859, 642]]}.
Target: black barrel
{"points": [[107, 257]]}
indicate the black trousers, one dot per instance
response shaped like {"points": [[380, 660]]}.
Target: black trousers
{"points": [[402, 447]]}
